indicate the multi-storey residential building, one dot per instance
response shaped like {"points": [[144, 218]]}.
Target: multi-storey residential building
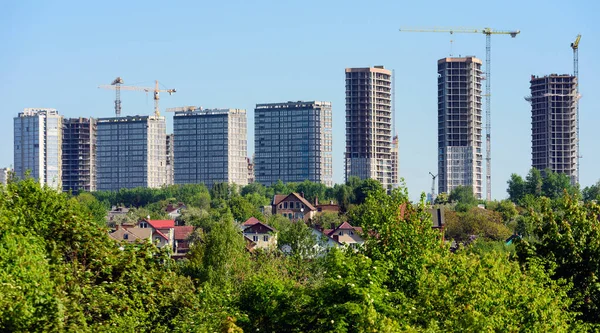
{"points": [[250, 170], [132, 152], [170, 159], [210, 146], [293, 142], [38, 145], [459, 124], [554, 124], [369, 125], [4, 175], [79, 155]]}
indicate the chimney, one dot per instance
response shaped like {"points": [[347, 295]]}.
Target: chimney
{"points": [[302, 194]]}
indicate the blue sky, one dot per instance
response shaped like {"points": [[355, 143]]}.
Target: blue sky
{"points": [[240, 53]]}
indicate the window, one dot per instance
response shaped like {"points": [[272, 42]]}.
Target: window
{"points": [[341, 233], [266, 238], [126, 236], [285, 205], [255, 238], [143, 225]]}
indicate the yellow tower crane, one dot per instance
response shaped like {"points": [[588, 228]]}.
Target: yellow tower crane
{"points": [[156, 90], [488, 32]]}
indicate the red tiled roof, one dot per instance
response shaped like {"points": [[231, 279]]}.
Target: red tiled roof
{"points": [[278, 198], [251, 221], [161, 224], [161, 235], [182, 232], [343, 226]]}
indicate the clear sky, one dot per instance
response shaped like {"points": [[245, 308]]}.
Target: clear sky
{"points": [[236, 54]]}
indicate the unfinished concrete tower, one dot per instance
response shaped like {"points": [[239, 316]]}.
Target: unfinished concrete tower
{"points": [[369, 125], [554, 124], [459, 124], [79, 155]]}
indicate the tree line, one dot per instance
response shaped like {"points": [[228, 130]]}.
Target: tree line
{"points": [[61, 271]]}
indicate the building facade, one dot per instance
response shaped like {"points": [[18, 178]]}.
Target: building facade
{"points": [[293, 142], [210, 146], [38, 145], [4, 175], [369, 125], [170, 159], [79, 155], [554, 124], [131, 153], [459, 124]]}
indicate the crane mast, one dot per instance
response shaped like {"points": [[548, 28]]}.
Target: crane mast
{"points": [[433, 177], [488, 32], [575, 47], [117, 83]]}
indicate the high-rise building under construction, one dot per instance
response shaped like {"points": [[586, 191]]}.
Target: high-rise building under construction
{"points": [[132, 152], [459, 124], [79, 155], [554, 124], [369, 152], [38, 146]]}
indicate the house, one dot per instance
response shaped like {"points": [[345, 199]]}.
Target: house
{"points": [[262, 235], [345, 234], [181, 242], [132, 234], [324, 242], [174, 211], [293, 206], [330, 207], [116, 211], [163, 231]]}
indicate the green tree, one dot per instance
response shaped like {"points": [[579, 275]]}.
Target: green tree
{"points": [[517, 188], [554, 184], [534, 182], [367, 187], [242, 209], [591, 192], [567, 243], [487, 224], [463, 197], [442, 199]]}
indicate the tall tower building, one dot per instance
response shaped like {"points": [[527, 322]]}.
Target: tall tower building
{"points": [[459, 124], [369, 125], [79, 155], [293, 142], [5, 175], [170, 158], [38, 145], [132, 152], [554, 124], [210, 146]]}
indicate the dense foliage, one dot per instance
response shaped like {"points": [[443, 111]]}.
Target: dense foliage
{"points": [[59, 270]]}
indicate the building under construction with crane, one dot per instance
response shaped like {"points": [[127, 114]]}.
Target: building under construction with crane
{"points": [[459, 124], [554, 124]]}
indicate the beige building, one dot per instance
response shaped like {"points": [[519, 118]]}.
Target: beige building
{"points": [[369, 152], [293, 206], [259, 235]]}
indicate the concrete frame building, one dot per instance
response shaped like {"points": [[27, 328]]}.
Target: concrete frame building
{"points": [[293, 142], [210, 146], [131, 153], [554, 124], [459, 124], [170, 159], [369, 152], [4, 175], [79, 155], [38, 145]]}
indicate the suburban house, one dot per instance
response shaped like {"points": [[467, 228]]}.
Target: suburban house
{"points": [[116, 211], [293, 206], [259, 235], [174, 211], [181, 242], [328, 207], [345, 234], [160, 232], [324, 242], [131, 234]]}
